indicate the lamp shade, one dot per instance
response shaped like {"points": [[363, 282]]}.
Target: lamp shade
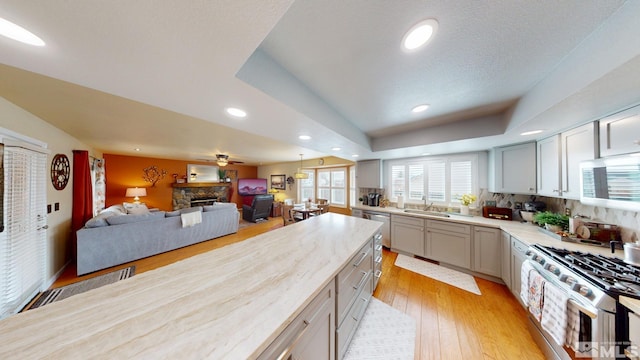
{"points": [[136, 192], [301, 175]]}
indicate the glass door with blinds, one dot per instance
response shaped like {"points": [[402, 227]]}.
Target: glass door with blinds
{"points": [[23, 241]]}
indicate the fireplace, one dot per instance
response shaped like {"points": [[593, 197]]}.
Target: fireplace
{"points": [[198, 194]]}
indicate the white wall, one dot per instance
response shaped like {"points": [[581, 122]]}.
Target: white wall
{"points": [[20, 121]]}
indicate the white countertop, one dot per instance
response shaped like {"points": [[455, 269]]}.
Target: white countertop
{"points": [[229, 303], [526, 232]]}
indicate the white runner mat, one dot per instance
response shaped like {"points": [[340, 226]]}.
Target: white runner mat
{"points": [[440, 273]]}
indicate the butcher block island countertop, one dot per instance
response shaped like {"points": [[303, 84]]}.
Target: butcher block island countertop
{"points": [[229, 303]]}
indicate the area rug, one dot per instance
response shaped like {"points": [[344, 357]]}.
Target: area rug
{"points": [[64, 292], [384, 333], [448, 276]]}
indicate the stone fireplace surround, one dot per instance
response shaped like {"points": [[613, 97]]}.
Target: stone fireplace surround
{"points": [[200, 193]]}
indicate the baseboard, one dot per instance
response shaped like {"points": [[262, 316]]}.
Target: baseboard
{"points": [[55, 276]]}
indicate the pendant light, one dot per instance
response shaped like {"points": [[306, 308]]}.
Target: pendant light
{"points": [[299, 174]]}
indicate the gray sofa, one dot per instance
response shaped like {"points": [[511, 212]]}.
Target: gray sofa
{"points": [[115, 237]]}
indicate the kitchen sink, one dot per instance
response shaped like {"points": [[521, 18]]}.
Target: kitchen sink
{"points": [[426, 212]]}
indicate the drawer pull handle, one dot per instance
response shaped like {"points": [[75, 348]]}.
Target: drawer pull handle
{"points": [[379, 247], [361, 282], [364, 308], [378, 273], [378, 259], [287, 352], [364, 256]]}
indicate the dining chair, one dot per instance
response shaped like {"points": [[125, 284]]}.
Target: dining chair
{"points": [[287, 215], [324, 208], [322, 201]]}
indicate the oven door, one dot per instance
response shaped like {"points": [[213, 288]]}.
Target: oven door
{"points": [[592, 327]]}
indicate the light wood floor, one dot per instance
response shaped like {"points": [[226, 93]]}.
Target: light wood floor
{"points": [[451, 323]]}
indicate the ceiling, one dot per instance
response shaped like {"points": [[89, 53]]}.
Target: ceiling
{"points": [[158, 76]]}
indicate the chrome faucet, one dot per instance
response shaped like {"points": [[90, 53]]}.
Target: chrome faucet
{"points": [[426, 207]]}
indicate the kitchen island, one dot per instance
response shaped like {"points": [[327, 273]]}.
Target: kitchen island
{"points": [[229, 303]]}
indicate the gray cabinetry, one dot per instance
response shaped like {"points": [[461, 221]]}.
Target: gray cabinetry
{"points": [[369, 174], [620, 133], [449, 242], [407, 235], [513, 169], [311, 334], [354, 289], [505, 243], [487, 251], [518, 256]]}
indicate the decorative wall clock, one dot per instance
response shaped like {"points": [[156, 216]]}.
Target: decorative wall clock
{"points": [[60, 171]]}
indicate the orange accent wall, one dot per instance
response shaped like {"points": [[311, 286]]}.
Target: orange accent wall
{"points": [[123, 172]]}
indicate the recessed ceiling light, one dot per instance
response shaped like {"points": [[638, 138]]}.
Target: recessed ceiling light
{"points": [[426, 154], [18, 33], [236, 112], [304, 137], [137, 149], [420, 108], [419, 34], [336, 148], [355, 155], [532, 132]]}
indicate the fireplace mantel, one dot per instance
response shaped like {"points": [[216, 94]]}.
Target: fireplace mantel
{"points": [[196, 185]]}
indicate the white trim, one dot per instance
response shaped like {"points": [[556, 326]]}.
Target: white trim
{"points": [[9, 135]]}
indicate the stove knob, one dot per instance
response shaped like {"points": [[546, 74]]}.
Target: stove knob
{"points": [[563, 277], [552, 269], [540, 260]]}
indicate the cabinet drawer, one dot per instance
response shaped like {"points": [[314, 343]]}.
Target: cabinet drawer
{"points": [[297, 327], [518, 246], [448, 226], [352, 279], [407, 220], [345, 332]]}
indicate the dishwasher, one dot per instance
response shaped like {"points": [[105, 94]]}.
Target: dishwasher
{"points": [[385, 219]]}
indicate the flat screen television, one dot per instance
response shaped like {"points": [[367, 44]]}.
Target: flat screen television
{"points": [[252, 186]]}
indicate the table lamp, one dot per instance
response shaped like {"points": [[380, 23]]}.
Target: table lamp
{"points": [[136, 193]]}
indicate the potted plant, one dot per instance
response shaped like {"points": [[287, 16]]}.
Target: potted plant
{"points": [[552, 221], [465, 201]]}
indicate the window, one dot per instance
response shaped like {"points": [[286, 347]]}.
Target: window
{"points": [[352, 185], [332, 185], [438, 180], [307, 186]]}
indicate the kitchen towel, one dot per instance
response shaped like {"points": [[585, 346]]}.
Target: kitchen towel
{"points": [[578, 330], [191, 219], [536, 290], [525, 270], [554, 312]]}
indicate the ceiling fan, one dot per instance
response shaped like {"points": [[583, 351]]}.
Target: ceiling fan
{"points": [[222, 160]]}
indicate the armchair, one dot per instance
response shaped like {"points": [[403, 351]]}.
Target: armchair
{"points": [[259, 209]]}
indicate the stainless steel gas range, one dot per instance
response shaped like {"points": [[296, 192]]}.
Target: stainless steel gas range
{"points": [[593, 284]]}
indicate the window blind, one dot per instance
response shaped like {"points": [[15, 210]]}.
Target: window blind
{"points": [[436, 175], [22, 245], [397, 181], [461, 172], [416, 181]]}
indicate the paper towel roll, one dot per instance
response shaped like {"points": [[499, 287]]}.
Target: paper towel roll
{"points": [[400, 202]]}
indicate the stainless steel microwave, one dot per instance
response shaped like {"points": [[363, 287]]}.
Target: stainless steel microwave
{"points": [[612, 182]]}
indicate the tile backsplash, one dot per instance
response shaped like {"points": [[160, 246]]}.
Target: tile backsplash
{"points": [[627, 221]]}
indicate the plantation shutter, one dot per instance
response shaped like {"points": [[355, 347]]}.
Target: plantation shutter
{"points": [[461, 181], [436, 177], [23, 243], [416, 182], [397, 181]]}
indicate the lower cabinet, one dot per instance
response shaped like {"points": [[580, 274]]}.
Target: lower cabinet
{"points": [[487, 251], [354, 290], [311, 334], [505, 243], [518, 256], [407, 235], [449, 243]]}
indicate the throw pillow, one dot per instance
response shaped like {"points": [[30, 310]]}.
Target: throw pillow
{"points": [[172, 213], [136, 209], [128, 219]]}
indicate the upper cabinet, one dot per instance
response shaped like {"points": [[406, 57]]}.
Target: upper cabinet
{"points": [[578, 145], [548, 166], [369, 174], [513, 169], [559, 157], [620, 133]]}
